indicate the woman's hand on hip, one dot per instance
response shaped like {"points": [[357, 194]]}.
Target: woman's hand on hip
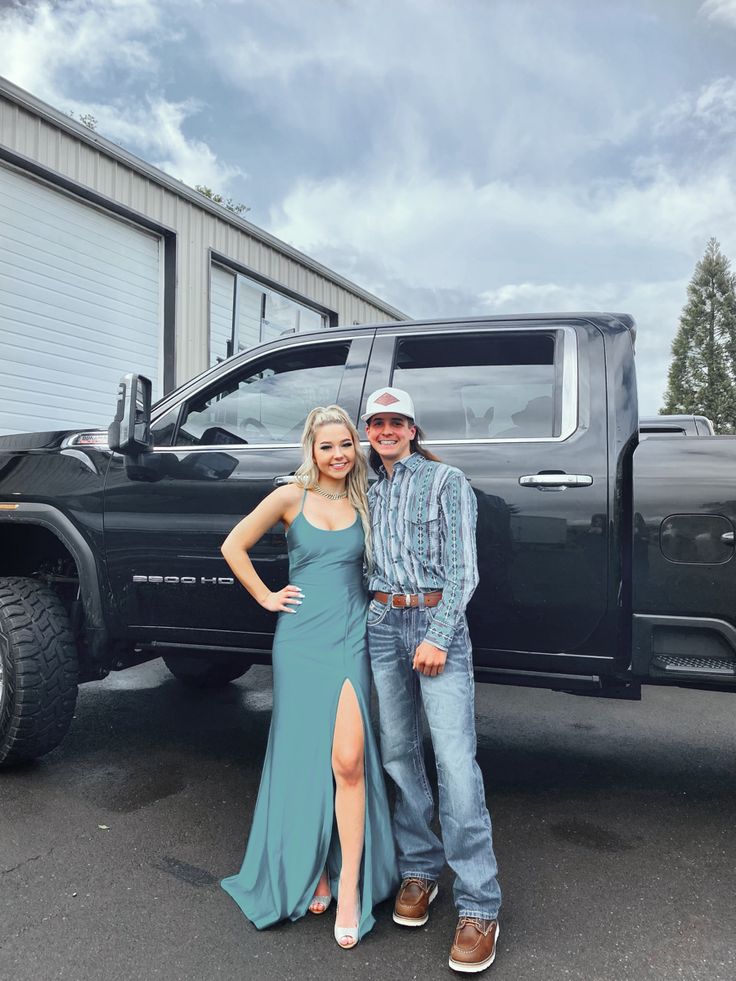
{"points": [[283, 601]]}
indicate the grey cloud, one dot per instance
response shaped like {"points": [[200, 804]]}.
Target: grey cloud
{"points": [[720, 11], [434, 82]]}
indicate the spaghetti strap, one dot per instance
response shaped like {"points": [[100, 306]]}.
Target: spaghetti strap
{"points": [[304, 497]]}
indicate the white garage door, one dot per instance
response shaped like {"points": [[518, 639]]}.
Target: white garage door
{"points": [[80, 304]]}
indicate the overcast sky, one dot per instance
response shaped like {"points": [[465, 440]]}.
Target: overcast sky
{"points": [[452, 156]]}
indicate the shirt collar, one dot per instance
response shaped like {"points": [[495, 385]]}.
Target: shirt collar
{"points": [[411, 462]]}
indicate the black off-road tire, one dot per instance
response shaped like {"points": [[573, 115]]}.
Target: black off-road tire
{"points": [[199, 671], [38, 670]]}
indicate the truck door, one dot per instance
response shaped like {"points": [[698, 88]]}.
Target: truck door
{"points": [[510, 405], [218, 453]]}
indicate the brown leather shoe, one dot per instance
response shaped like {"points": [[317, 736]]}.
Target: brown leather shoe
{"points": [[474, 946], [412, 901]]}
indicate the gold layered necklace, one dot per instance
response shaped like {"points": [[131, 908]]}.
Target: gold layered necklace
{"points": [[330, 497]]}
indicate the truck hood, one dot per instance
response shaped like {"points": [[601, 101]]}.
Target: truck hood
{"points": [[34, 441]]}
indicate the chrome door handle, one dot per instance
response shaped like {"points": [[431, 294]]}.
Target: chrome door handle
{"points": [[556, 481], [727, 538], [284, 479]]}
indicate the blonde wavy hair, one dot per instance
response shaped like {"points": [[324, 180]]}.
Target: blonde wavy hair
{"points": [[356, 482]]}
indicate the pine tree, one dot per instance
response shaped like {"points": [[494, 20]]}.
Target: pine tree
{"points": [[702, 376]]}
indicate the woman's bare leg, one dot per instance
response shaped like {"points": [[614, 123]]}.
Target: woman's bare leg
{"points": [[348, 768]]}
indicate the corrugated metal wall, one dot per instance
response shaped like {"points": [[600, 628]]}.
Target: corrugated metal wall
{"points": [[197, 231]]}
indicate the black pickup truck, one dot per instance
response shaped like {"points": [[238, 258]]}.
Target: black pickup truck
{"points": [[605, 563]]}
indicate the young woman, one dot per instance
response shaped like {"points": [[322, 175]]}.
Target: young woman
{"points": [[321, 824]]}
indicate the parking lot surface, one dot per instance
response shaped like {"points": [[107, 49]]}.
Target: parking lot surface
{"points": [[613, 825]]}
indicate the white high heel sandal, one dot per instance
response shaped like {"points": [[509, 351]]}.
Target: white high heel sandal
{"points": [[351, 932], [322, 902]]}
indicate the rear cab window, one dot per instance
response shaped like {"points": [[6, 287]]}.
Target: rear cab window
{"points": [[491, 385]]}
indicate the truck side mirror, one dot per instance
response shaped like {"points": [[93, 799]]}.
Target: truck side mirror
{"points": [[130, 430]]}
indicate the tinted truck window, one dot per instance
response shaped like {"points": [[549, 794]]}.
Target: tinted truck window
{"points": [[483, 386], [268, 401]]}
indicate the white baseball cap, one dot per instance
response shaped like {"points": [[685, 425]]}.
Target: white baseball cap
{"points": [[393, 400]]}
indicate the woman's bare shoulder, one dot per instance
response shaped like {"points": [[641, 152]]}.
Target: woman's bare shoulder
{"points": [[288, 494], [279, 505]]}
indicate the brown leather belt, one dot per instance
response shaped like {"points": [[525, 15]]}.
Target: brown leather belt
{"points": [[403, 601]]}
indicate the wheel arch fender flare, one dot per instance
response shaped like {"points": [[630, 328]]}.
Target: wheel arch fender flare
{"points": [[55, 521]]}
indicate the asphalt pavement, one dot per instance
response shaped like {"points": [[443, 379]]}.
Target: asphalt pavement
{"points": [[614, 826]]}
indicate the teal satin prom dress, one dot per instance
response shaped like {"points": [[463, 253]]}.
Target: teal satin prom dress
{"points": [[315, 652]]}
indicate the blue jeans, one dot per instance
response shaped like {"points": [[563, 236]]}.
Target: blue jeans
{"points": [[448, 700]]}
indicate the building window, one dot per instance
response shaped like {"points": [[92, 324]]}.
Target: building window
{"points": [[245, 313]]}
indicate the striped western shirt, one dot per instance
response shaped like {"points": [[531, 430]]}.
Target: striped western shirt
{"points": [[423, 527]]}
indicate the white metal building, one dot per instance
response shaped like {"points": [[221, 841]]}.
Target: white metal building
{"points": [[109, 265]]}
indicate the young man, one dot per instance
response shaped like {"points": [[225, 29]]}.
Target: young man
{"points": [[423, 516]]}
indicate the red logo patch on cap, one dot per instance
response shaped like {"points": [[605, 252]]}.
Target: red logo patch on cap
{"points": [[386, 399]]}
